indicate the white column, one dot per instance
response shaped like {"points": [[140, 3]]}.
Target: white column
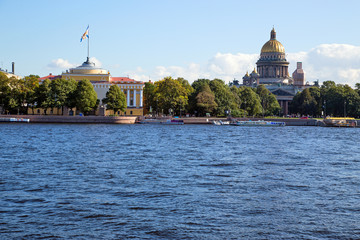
{"points": [[128, 97], [134, 102], [141, 98]]}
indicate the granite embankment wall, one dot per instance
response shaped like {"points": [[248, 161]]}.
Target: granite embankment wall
{"points": [[132, 120], [74, 119], [288, 121]]}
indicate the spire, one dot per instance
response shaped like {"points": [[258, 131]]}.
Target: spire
{"points": [[273, 34]]}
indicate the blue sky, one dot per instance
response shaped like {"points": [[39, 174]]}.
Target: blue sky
{"points": [[190, 38]]}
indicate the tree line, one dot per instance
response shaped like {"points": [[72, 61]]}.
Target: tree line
{"points": [[177, 97], [330, 99], [17, 96], [204, 96]]}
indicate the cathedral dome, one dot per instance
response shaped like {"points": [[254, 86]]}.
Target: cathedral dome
{"points": [[273, 45]]}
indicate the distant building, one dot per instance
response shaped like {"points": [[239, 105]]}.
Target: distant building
{"points": [[12, 73], [299, 76], [252, 79], [272, 65], [272, 71], [102, 80], [50, 77]]}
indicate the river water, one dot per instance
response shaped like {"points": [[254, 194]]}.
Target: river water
{"points": [[86, 181]]}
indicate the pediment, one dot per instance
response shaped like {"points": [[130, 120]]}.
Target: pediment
{"points": [[282, 92]]}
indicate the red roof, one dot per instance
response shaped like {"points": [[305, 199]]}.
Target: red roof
{"points": [[123, 79], [50, 77]]}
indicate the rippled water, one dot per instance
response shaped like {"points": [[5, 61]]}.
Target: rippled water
{"points": [[178, 182]]}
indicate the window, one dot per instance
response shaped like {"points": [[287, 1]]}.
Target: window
{"points": [[131, 112]]}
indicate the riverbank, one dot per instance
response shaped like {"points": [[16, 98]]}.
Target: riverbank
{"points": [[288, 121], [74, 119], [132, 120]]}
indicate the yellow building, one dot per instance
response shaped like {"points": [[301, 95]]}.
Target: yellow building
{"points": [[102, 81]]}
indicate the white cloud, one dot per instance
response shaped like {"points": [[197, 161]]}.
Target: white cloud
{"points": [[60, 63], [336, 62], [98, 64], [63, 64]]}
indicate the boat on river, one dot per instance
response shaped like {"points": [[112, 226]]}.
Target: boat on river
{"points": [[162, 121], [172, 122], [14, 120], [340, 122], [259, 123], [219, 122]]}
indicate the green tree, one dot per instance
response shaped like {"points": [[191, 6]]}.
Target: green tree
{"points": [[5, 91], [357, 88], [149, 96], [31, 84], [197, 86], [205, 100], [250, 101], [44, 98], [115, 99], [270, 106], [351, 102], [223, 97], [306, 102], [170, 95], [62, 91], [85, 96]]}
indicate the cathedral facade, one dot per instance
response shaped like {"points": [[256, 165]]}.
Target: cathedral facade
{"points": [[273, 72], [272, 65]]}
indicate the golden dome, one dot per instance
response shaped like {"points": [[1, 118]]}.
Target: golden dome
{"points": [[273, 45]]}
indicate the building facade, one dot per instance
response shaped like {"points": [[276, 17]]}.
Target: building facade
{"points": [[272, 65], [273, 72], [102, 80]]}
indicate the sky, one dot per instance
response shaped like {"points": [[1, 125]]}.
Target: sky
{"points": [[193, 39]]}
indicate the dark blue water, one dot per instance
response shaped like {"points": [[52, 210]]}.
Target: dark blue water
{"points": [[178, 182]]}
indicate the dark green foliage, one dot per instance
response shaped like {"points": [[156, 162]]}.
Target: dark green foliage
{"points": [[270, 106], [171, 95], [205, 100], [85, 96], [223, 97], [149, 96], [331, 99], [250, 101], [115, 99], [62, 91], [44, 95]]}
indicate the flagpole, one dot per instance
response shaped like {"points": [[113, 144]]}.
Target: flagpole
{"points": [[88, 44]]}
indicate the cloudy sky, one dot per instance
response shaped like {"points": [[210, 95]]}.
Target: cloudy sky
{"points": [[193, 39]]}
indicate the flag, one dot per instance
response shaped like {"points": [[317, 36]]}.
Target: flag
{"points": [[85, 35]]}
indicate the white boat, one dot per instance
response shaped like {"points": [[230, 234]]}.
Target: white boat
{"points": [[340, 122], [219, 122], [258, 124]]}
